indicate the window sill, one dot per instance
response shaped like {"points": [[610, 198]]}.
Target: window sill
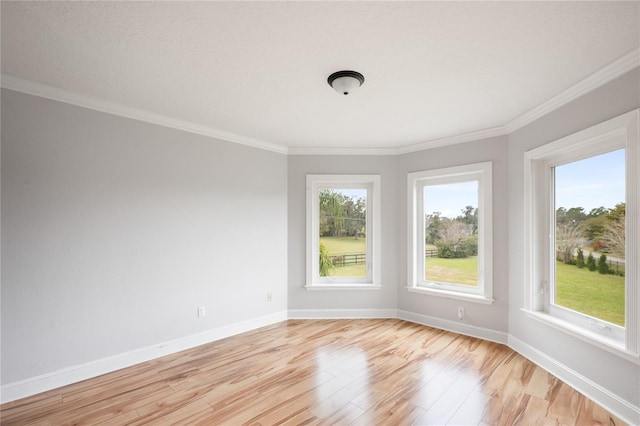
{"points": [[343, 286], [610, 345], [475, 298]]}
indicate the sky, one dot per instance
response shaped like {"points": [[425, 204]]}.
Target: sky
{"points": [[592, 182], [450, 199]]}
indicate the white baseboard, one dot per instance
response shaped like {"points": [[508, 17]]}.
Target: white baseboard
{"points": [[455, 326], [56, 379], [621, 408], [342, 313], [616, 405]]}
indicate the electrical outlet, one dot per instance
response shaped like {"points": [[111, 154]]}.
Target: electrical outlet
{"points": [[269, 297], [201, 311], [460, 313]]}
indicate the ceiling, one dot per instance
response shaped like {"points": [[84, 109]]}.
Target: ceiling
{"points": [[257, 71]]}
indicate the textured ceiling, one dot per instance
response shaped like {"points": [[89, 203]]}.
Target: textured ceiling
{"points": [[259, 69]]}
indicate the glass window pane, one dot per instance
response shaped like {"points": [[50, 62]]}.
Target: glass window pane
{"points": [[451, 233], [343, 232], [590, 236]]}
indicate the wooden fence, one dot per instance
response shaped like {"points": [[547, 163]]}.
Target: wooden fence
{"points": [[430, 253], [348, 259]]}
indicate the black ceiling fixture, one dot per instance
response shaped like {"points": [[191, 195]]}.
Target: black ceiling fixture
{"points": [[344, 82]]}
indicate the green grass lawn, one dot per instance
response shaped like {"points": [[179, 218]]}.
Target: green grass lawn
{"points": [[598, 295], [456, 271], [346, 245]]}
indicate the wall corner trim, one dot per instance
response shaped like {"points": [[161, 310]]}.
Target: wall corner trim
{"points": [[66, 376]]}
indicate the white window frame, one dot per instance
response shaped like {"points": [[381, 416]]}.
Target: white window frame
{"points": [[480, 172], [539, 255], [316, 183]]}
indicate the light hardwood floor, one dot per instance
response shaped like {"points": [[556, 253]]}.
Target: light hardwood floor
{"points": [[364, 372]]}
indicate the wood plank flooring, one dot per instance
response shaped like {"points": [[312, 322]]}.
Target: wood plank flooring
{"points": [[310, 372]]}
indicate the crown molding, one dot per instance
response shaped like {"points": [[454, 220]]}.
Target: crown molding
{"points": [[11, 82], [453, 140], [299, 150], [592, 82], [599, 78]]}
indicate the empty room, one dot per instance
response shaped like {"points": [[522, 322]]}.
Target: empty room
{"points": [[369, 213]]}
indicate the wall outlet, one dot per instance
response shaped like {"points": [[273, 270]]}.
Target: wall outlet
{"points": [[201, 311], [460, 313], [269, 297]]}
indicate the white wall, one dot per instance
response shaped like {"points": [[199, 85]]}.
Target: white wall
{"points": [[114, 231], [492, 317], [300, 298], [612, 373]]}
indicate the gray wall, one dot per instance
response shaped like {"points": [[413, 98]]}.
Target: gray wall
{"points": [[493, 317], [114, 231], [611, 372], [300, 298]]}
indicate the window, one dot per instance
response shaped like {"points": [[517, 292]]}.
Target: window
{"points": [[450, 232], [581, 242], [343, 232]]}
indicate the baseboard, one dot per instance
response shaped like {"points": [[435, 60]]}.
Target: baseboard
{"points": [[342, 313], [56, 379], [621, 408], [455, 326]]}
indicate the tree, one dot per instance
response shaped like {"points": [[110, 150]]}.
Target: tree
{"points": [[614, 233], [432, 227], [568, 238], [614, 236], [576, 214], [469, 217], [453, 235], [594, 226], [591, 262], [580, 259], [340, 214], [453, 232], [597, 212], [603, 268], [618, 212], [331, 213]]}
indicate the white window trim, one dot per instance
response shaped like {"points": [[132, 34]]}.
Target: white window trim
{"points": [[481, 172], [314, 184], [619, 132]]}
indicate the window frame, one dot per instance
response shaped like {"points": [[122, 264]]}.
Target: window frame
{"points": [[416, 182], [539, 255], [316, 183]]}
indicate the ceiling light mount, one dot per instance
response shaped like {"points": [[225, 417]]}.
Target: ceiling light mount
{"points": [[344, 82]]}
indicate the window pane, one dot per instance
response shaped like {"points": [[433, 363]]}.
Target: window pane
{"points": [[451, 233], [590, 236], [343, 232]]}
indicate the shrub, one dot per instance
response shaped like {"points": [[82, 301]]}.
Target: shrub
{"points": [[471, 245], [580, 259], [448, 251], [326, 264], [591, 263], [603, 268]]}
